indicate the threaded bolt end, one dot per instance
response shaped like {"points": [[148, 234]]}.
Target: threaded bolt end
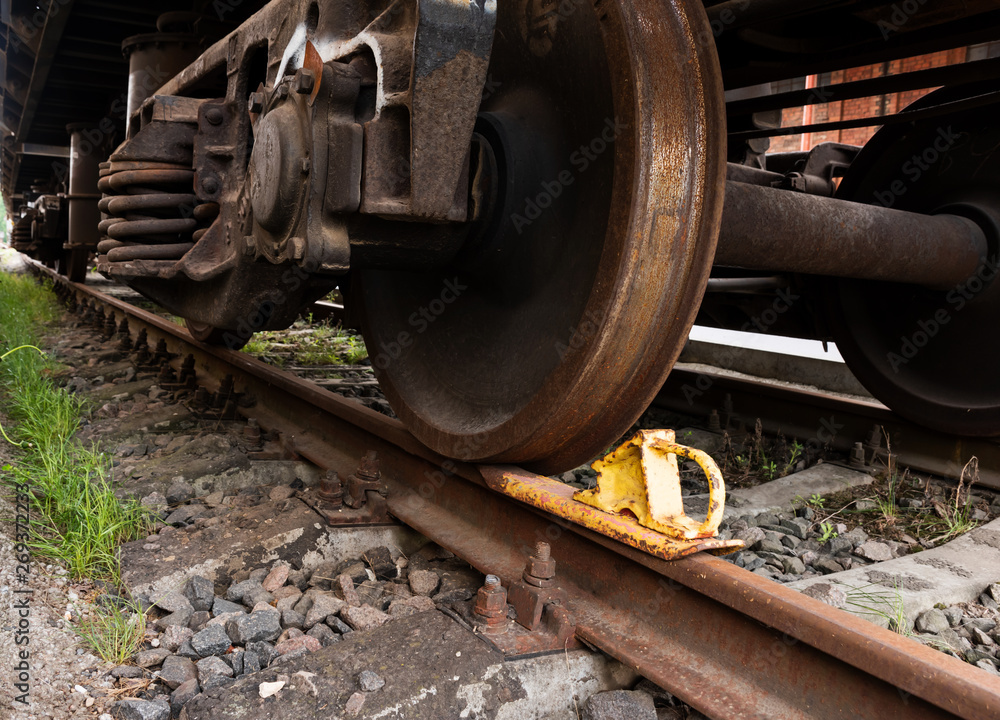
{"points": [[543, 551]]}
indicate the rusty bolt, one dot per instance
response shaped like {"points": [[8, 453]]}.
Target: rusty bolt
{"points": [[858, 456], [874, 441], [210, 185], [491, 604], [252, 431], [368, 468], [541, 569], [249, 245], [331, 489], [714, 424], [256, 103], [282, 92], [305, 81], [214, 116]]}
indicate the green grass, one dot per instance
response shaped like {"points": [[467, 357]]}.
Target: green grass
{"points": [[324, 344], [76, 518], [115, 633], [880, 603], [827, 533]]}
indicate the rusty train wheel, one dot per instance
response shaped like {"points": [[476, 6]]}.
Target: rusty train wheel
{"points": [[930, 355], [548, 335]]}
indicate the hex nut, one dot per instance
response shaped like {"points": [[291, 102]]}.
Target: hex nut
{"points": [[305, 81], [491, 602], [541, 569]]}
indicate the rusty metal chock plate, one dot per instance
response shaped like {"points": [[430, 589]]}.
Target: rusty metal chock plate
{"points": [[641, 476], [637, 500]]}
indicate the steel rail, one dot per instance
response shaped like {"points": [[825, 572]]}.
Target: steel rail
{"points": [[823, 419], [729, 643]]}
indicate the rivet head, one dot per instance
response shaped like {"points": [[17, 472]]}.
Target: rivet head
{"points": [[214, 116]]}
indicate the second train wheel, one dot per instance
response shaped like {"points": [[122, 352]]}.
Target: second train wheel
{"points": [[553, 329], [931, 355]]}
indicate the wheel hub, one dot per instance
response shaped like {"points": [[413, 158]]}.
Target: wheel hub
{"points": [[548, 333]]}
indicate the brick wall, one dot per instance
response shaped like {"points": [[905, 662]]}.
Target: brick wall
{"points": [[861, 107]]}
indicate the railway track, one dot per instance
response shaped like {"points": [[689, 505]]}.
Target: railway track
{"points": [[827, 419], [726, 641]]}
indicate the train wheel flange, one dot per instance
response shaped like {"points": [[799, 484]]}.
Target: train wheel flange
{"points": [[545, 342]]}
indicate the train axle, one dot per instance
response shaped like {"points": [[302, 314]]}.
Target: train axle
{"points": [[523, 203]]}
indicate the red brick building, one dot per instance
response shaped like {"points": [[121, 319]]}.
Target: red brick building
{"points": [[863, 107]]}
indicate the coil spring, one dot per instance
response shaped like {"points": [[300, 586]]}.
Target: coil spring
{"points": [[21, 234], [149, 211]]}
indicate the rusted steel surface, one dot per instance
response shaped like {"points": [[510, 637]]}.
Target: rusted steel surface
{"points": [[568, 320], [556, 498], [730, 643], [154, 58], [776, 654], [642, 478], [81, 234], [927, 353], [776, 230]]}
